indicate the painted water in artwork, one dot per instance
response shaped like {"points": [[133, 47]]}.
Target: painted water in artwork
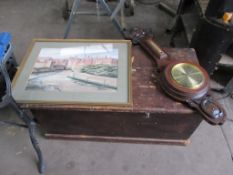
{"points": [[87, 68]]}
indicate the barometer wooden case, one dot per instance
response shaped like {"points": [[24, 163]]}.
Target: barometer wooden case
{"points": [[182, 80]]}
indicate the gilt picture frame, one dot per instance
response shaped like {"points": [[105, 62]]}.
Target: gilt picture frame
{"points": [[75, 71]]}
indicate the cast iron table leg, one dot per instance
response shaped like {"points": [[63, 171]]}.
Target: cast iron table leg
{"points": [[8, 100]]}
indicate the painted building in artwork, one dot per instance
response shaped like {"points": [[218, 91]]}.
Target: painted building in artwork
{"points": [[49, 64], [72, 63], [77, 62]]}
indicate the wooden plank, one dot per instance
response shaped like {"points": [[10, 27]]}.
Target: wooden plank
{"points": [[119, 139]]}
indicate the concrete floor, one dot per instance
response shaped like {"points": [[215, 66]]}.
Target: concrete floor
{"points": [[207, 153]]}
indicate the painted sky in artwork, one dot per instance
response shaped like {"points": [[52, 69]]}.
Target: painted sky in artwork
{"points": [[93, 50]]}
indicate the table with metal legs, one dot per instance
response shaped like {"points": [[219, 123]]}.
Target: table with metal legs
{"points": [[105, 6]]}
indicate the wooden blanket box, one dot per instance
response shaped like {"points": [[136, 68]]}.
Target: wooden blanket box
{"points": [[153, 117]]}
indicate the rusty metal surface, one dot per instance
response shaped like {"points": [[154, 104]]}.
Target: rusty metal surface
{"points": [[147, 95]]}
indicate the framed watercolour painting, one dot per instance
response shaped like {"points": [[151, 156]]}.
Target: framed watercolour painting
{"points": [[58, 71]]}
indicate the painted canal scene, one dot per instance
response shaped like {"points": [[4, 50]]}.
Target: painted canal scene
{"points": [[87, 68]]}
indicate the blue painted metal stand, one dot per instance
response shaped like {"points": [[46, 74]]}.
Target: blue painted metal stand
{"points": [[6, 55]]}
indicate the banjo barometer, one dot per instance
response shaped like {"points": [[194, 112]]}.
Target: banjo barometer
{"points": [[182, 80]]}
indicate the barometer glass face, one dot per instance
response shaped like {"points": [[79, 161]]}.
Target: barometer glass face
{"points": [[187, 75]]}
